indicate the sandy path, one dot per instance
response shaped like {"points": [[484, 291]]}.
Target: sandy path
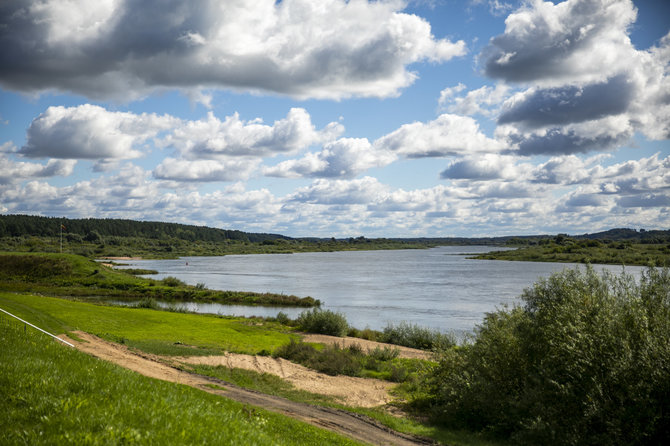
{"points": [[352, 391], [355, 426], [405, 352]]}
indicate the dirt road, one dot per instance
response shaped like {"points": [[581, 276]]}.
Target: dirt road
{"points": [[354, 426]]}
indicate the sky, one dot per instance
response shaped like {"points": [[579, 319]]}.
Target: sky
{"points": [[332, 118]]}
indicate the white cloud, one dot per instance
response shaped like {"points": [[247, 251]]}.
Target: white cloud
{"points": [[204, 170], [359, 191], [448, 135], [212, 138], [486, 167], [344, 158], [124, 49], [14, 172], [91, 132], [587, 87], [574, 40], [485, 100]]}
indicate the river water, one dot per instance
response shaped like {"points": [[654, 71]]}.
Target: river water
{"points": [[437, 288]]}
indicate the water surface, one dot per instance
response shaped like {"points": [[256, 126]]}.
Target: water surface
{"points": [[438, 288]]}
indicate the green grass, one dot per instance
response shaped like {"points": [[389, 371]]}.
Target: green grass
{"points": [[588, 251], [159, 332], [273, 385], [51, 394], [172, 248], [77, 276], [168, 333]]}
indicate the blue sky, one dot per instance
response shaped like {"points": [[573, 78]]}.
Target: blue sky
{"points": [[333, 118]]}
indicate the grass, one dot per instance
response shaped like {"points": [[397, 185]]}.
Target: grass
{"points": [[588, 251], [159, 332], [273, 385], [52, 394], [77, 276], [181, 334], [172, 248]]}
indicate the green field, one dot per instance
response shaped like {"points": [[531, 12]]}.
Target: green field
{"points": [[76, 276], [51, 394], [588, 251], [159, 332]]}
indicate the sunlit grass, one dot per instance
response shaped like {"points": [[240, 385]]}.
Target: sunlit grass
{"points": [[159, 332], [52, 394]]}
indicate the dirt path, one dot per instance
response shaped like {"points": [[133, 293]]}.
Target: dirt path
{"points": [[355, 426], [405, 352]]}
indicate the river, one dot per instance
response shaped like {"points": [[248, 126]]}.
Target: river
{"points": [[437, 288]]}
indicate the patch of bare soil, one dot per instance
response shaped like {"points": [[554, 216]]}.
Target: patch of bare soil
{"points": [[405, 352], [361, 392], [355, 426]]}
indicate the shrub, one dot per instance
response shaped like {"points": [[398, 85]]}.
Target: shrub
{"points": [[172, 282], [584, 361], [414, 336], [283, 318], [384, 354], [323, 322]]}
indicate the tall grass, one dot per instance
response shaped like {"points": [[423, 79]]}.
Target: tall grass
{"points": [[414, 336], [323, 322], [52, 394]]}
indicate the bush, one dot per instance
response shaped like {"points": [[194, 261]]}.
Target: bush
{"points": [[172, 282], [323, 322], [414, 336], [283, 318], [586, 360]]}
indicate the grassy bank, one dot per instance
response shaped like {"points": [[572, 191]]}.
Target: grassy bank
{"points": [[166, 333], [77, 276], [159, 332], [171, 248], [588, 251], [52, 394]]}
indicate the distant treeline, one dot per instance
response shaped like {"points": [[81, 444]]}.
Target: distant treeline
{"points": [[29, 225], [92, 229]]}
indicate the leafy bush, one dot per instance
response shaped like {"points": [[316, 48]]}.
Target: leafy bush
{"points": [[414, 336], [384, 354], [366, 333], [323, 322], [352, 361], [283, 318], [172, 282], [586, 360]]}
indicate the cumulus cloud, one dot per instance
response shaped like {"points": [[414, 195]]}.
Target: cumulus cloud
{"points": [[204, 170], [574, 40], [14, 172], [536, 108], [486, 167], [598, 135], [210, 149], [212, 138], [344, 158], [91, 132], [448, 135], [485, 100], [323, 191], [124, 49], [586, 87]]}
